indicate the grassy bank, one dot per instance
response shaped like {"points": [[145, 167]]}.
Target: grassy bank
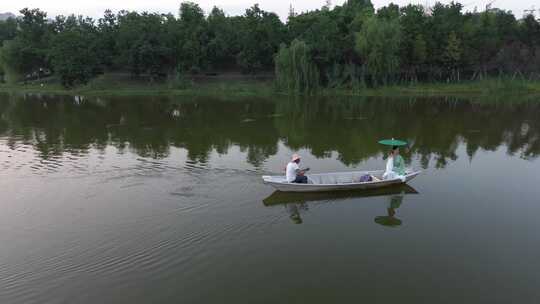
{"points": [[112, 85], [468, 88]]}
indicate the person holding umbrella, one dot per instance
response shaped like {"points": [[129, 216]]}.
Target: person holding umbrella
{"points": [[395, 165]]}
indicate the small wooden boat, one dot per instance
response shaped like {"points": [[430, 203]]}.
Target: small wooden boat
{"points": [[337, 181]]}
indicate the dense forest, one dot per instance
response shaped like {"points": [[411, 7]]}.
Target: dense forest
{"points": [[350, 45]]}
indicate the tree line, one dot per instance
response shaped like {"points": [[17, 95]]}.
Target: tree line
{"points": [[349, 45]]}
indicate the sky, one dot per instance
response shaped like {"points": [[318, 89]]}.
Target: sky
{"points": [[95, 8]]}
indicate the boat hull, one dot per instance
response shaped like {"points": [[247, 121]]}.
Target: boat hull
{"points": [[326, 184]]}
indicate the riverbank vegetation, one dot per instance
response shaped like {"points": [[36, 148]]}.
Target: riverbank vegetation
{"points": [[123, 85], [349, 48]]}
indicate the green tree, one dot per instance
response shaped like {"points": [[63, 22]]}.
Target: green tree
{"points": [[452, 55], [192, 51], [260, 35], [346, 43], [8, 30], [444, 20], [107, 28], [389, 12], [419, 50], [295, 70], [12, 60], [413, 51], [143, 44], [378, 45], [74, 51], [27, 53], [320, 30], [530, 31], [222, 40]]}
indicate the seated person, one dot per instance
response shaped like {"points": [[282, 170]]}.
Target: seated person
{"points": [[293, 172], [395, 166]]}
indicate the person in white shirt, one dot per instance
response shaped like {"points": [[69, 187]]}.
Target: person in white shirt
{"points": [[293, 172], [395, 166]]}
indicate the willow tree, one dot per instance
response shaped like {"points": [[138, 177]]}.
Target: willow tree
{"points": [[378, 44], [295, 70]]}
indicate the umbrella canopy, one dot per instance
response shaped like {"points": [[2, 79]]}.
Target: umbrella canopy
{"points": [[388, 221], [393, 142]]}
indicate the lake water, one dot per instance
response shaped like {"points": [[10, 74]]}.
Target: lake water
{"points": [[160, 200]]}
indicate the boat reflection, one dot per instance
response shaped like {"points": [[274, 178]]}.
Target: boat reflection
{"points": [[297, 203], [390, 219]]}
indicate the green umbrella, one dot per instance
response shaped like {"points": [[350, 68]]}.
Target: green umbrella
{"points": [[389, 221], [393, 142]]}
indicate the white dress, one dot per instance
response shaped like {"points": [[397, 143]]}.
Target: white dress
{"points": [[389, 172]]}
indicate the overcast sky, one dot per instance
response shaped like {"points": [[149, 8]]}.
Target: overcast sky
{"points": [[95, 8]]}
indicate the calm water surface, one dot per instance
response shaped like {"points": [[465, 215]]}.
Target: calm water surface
{"points": [[159, 200]]}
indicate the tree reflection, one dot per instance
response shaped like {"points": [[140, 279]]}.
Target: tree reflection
{"points": [[435, 126], [149, 126]]}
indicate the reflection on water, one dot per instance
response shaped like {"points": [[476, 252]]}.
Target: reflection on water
{"points": [[350, 127], [158, 200], [297, 203], [390, 219], [294, 211]]}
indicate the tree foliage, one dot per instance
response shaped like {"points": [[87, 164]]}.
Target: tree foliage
{"points": [[378, 45], [346, 44], [27, 51], [261, 33], [74, 52], [295, 70]]}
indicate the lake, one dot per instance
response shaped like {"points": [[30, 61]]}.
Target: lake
{"points": [[160, 200]]}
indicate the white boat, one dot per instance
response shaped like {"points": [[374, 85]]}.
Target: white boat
{"points": [[337, 181]]}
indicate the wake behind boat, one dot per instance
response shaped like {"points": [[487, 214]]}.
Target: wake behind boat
{"points": [[337, 181]]}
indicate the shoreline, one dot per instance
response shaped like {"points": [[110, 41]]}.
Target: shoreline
{"points": [[256, 88]]}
